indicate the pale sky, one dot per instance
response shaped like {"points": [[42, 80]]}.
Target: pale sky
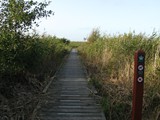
{"points": [[75, 19]]}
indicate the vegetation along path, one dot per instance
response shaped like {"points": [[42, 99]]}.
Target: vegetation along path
{"points": [[69, 95]]}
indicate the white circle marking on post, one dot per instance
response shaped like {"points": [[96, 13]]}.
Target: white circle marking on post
{"points": [[140, 67], [140, 79]]}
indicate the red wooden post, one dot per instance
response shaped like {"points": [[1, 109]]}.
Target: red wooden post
{"points": [[139, 60]]}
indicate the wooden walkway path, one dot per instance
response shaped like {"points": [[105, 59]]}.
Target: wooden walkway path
{"points": [[69, 96]]}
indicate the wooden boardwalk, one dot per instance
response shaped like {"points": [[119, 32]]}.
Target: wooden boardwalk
{"points": [[69, 96]]}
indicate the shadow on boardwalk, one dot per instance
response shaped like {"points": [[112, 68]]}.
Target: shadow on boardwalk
{"points": [[69, 96]]}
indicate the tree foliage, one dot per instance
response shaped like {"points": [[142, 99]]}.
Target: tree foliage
{"points": [[19, 51], [21, 15], [64, 40]]}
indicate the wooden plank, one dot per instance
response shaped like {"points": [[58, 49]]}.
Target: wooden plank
{"points": [[70, 118], [56, 114]]}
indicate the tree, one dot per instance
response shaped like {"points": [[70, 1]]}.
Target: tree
{"points": [[16, 48], [20, 15], [64, 40]]}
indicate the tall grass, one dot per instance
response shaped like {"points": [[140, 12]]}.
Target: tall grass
{"points": [[75, 44], [109, 60]]}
